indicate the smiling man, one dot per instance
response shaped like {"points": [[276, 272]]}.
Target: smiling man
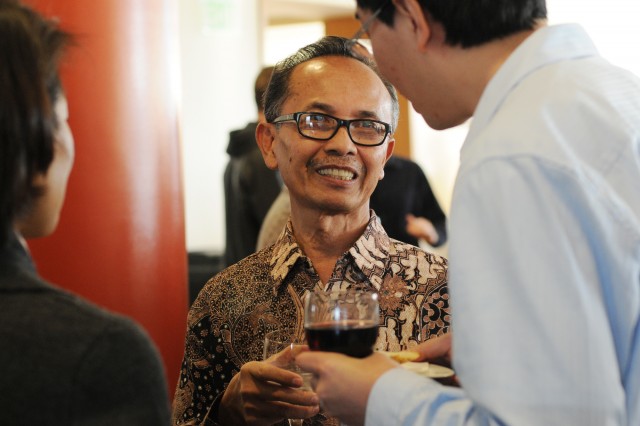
{"points": [[329, 131]]}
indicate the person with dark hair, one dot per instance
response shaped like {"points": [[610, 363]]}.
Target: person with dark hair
{"points": [[544, 225], [329, 127], [249, 186], [63, 360]]}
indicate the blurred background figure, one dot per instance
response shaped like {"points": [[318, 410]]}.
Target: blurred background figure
{"points": [[405, 204], [249, 186], [275, 220], [63, 360]]}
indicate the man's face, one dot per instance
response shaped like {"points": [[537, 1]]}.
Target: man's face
{"points": [[334, 176], [416, 40], [386, 48]]}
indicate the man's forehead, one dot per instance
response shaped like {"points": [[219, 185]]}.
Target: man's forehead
{"points": [[363, 101], [333, 67], [324, 62]]}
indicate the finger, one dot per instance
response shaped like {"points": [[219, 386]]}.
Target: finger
{"points": [[313, 361], [293, 396], [300, 412], [271, 389], [266, 372], [277, 410], [436, 350], [282, 358], [306, 398], [269, 401], [298, 349], [261, 413]]}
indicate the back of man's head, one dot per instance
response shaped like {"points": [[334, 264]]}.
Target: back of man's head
{"points": [[262, 81], [470, 23]]}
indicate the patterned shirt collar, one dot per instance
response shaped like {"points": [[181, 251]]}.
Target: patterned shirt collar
{"points": [[369, 254]]}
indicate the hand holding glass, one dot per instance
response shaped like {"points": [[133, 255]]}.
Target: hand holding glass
{"points": [[285, 344]]}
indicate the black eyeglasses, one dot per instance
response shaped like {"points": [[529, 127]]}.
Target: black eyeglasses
{"points": [[322, 127], [365, 26]]}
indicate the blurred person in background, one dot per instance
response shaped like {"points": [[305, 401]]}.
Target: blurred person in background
{"points": [[249, 185], [407, 206]]}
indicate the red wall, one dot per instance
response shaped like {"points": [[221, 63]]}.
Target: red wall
{"points": [[121, 239]]}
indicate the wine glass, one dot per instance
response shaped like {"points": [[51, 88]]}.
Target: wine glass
{"points": [[276, 343], [344, 321]]}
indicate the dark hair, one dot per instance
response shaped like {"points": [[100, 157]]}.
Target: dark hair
{"points": [[472, 22], [30, 50], [278, 89], [262, 81]]}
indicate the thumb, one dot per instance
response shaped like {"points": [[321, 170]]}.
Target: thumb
{"points": [[309, 361]]}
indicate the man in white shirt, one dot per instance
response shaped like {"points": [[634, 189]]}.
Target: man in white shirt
{"points": [[544, 228]]}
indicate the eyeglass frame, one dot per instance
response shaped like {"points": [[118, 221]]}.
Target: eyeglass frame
{"points": [[364, 28], [341, 123]]}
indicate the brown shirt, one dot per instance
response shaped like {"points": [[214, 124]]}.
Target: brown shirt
{"points": [[265, 291]]}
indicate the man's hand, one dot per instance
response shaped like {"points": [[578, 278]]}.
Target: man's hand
{"points": [[263, 393], [422, 228], [344, 383], [436, 350]]}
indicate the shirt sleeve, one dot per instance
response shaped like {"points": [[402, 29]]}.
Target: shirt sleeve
{"points": [[206, 370], [401, 397]]}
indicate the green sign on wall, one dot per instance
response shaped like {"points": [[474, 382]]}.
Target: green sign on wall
{"points": [[218, 15]]}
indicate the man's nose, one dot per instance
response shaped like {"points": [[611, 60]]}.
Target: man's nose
{"points": [[341, 142]]}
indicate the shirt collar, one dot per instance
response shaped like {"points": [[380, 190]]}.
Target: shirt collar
{"points": [[545, 46], [369, 253]]}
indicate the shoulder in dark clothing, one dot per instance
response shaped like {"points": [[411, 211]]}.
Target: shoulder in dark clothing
{"points": [[66, 359]]}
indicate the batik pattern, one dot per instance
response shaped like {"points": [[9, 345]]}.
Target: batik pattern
{"points": [[265, 291]]}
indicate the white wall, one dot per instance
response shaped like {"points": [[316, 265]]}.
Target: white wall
{"points": [[281, 41], [220, 46], [613, 25]]}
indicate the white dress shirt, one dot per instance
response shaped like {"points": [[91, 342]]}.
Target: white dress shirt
{"points": [[544, 251]]}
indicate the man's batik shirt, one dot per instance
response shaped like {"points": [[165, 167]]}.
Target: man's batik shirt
{"points": [[265, 291]]}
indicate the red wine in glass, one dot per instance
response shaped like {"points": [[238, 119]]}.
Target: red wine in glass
{"points": [[352, 337], [344, 321]]}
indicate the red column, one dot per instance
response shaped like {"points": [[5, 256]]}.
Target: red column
{"points": [[121, 238]]}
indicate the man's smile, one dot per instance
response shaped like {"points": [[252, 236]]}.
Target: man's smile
{"points": [[341, 174]]}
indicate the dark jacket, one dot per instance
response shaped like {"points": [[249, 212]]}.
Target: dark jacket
{"points": [[64, 361], [405, 189], [249, 190]]}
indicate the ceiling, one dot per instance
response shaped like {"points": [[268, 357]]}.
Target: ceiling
{"points": [[292, 11]]}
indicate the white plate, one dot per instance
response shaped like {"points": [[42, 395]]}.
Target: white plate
{"points": [[429, 370]]}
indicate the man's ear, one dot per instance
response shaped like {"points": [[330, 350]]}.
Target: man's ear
{"points": [[412, 11], [390, 145], [265, 136]]}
